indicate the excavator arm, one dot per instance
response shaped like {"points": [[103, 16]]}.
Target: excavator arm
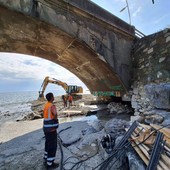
{"points": [[53, 81], [72, 89]]}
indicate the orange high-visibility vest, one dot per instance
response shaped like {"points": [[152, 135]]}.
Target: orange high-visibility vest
{"points": [[47, 111], [50, 124]]}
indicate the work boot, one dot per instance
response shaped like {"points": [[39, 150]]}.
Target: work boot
{"points": [[52, 166]]}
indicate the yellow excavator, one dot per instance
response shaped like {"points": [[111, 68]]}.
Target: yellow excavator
{"points": [[74, 90]]}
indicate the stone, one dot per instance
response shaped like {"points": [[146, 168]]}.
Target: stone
{"points": [[135, 91], [141, 67], [118, 108], [136, 113], [150, 50], [161, 59], [147, 65], [164, 51], [141, 119], [155, 119], [159, 74], [141, 60], [141, 110], [165, 31], [134, 118], [167, 39], [153, 43], [134, 105], [97, 125], [164, 113], [135, 161], [149, 108], [159, 95], [68, 136], [150, 57], [115, 126], [133, 98], [146, 49]]}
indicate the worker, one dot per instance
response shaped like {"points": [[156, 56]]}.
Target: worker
{"points": [[70, 100], [50, 125], [65, 100]]}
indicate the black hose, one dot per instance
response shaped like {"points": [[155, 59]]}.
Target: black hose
{"points": [[62, 155]]}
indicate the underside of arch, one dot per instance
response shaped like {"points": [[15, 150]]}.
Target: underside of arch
{"points": [[26, 35]]}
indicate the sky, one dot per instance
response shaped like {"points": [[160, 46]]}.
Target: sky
{"points": [[20, 72], [26, 73], [144, 15]]}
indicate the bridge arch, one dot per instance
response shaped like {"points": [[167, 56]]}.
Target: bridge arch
{"points": [[26, 35]]}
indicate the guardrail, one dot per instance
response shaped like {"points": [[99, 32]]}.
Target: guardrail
{"points": [[139, 34]]}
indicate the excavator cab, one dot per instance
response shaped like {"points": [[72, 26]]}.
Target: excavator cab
{"points": [[74, 89]]}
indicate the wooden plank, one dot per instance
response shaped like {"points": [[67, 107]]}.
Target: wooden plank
{"points": [[142, 150], [166, 160], [146, 127], [146, 154], [72, 111], [165, 131], [145, 150], [149, 135], [140, 153], [150, 141]]}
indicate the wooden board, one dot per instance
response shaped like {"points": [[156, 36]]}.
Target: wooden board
{"points": [[165, 131]]}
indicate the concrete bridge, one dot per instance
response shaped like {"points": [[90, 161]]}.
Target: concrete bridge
{"points": [[78, 35]]}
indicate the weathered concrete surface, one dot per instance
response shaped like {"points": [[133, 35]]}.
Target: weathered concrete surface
{"points": [[159, 95], [85, 39]]}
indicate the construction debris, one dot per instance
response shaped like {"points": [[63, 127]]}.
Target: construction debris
{"points": [[152, 143]]}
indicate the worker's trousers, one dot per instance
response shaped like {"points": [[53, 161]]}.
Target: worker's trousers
{"points": [[50, 146]]}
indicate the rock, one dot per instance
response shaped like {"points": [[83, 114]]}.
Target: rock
{"points": [[134, 161], [154, 119], [88, 131], [159, 95], [134, 118], [72, 134], [136, 113], [134, 104], [116, 127], [31, 116], [37, 116], [97, 125], [118, 108]]}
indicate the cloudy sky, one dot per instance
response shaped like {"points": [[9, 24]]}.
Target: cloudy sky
{"points": [[25, 73]]}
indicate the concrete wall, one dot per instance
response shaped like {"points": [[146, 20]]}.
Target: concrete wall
{"points": [[151, 69]]}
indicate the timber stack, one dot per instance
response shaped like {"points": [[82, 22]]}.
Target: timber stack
{"points": [[152, 143]]}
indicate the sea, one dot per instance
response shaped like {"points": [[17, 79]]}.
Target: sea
{"points": [[15, 105]]}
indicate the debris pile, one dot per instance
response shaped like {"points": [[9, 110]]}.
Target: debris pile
{"points": [[118, 108]]}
